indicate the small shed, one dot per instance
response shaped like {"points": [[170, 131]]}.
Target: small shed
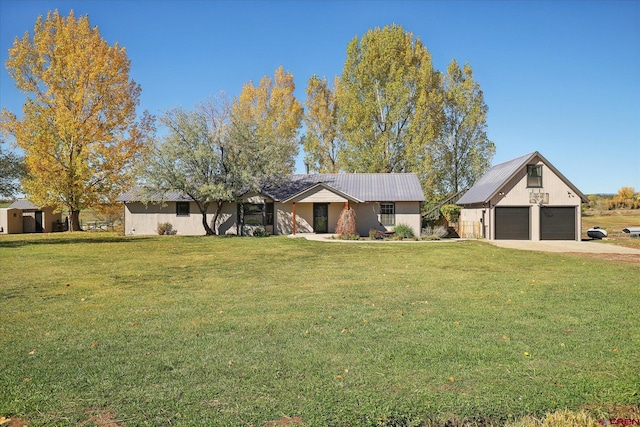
{"points": [[22, 216]]}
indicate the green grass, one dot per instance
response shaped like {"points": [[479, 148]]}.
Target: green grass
{"points": [[239, 331]]}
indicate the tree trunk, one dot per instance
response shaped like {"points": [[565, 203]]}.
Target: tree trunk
{"points": [[217, 214], [74, 220], [203, 210]]}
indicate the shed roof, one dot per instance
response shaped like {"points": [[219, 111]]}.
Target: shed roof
{"points": [[499, 175], [23, 204]]}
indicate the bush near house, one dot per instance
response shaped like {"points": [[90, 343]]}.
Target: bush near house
{"points": [[403, 231], [166, 229]]}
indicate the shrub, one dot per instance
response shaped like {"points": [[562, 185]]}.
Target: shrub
{"points": [[348, 237], [450, 212], [375, 234], [166, 229], [403, 231], [347, 223], [260, 231], [435, 232]]}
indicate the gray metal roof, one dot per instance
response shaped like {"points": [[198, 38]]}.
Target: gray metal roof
{"points": [[366, 187], [137, 195], [499, 175], [23, 204]]}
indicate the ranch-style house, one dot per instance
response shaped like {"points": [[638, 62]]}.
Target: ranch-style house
{"points": [[306, 203]]}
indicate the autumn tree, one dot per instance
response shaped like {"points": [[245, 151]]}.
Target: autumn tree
{"points": [[265, 121], [194, 159], [624, 199], [11, 171], [390, 102], [78, 129], [462, 152], [321, 143]]}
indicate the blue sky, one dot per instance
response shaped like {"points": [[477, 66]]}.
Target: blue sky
{"points": [[562, 78]]}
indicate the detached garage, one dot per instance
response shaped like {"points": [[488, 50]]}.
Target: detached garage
{"points": [[523, 199]]}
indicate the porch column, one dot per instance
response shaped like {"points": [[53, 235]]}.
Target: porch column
{"points": [[294, 218]]}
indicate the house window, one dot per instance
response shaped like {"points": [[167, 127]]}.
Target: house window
{"points": [[534, 176], [258, 213], [182, 208], [268, 214], [388, 213]]}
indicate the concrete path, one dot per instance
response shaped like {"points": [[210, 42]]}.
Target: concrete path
{"points": [[588, 247]]}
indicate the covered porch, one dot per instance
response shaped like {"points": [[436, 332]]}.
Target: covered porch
{"points": [[316, 209]]}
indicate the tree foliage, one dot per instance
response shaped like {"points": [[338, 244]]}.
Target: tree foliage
{"points": [[625, 199], [221, 150], [321, 142], [390, 102], [194, 157], [396, 113], [78, 127], [265, 121], [462, 152], [11, 171]]}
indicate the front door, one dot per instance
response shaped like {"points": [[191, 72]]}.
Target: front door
{"points": [[39, 228], [320, 217]]}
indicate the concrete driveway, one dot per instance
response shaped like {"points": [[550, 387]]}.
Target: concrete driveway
{"points": [[588, 247]]}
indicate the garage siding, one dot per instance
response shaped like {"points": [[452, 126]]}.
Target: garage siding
{"points": [[512, 223], [558, 223]]}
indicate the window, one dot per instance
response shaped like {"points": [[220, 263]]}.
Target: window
{"points": [[182, 208], [534, 176], [268, 214], [258, 213], [388, 213]]}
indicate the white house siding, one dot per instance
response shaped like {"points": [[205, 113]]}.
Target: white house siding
{"points": [[409, 213], [368, 216], [143, 220], [304, 218], [320, 195]]}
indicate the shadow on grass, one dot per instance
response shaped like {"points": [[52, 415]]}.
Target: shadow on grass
{"points": [[64, 239]]}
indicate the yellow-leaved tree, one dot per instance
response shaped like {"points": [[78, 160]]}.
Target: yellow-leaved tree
{"points": [[265, 121], [322, 143], [78, 128]]}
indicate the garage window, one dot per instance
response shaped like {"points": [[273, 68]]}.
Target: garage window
{"points": [[534, 176]]}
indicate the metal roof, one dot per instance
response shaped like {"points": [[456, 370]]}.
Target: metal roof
{"points": [[366, 187], [137, 195], [499, 175], [23, 204]]}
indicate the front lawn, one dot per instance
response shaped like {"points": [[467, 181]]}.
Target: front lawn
{"points": [[244, 331]]}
